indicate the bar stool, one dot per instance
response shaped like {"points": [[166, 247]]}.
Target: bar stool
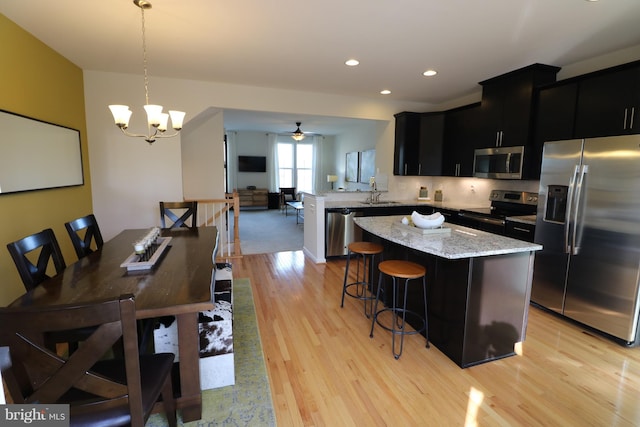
{"points": [[398, 269], [363, 286]]}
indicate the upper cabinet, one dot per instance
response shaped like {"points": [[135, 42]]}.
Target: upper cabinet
{"points": [[525, 107], [405, 161], [418, 146], [507, 105], [460, 140], [431, 143], [554, 120], [609, 103]]}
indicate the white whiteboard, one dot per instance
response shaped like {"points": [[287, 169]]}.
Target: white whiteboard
{"points": [[36, 155]]}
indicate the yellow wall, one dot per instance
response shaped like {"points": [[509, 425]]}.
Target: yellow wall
{"points": [[37, 82]]}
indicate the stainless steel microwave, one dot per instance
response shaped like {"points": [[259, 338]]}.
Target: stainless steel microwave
{"points": [[498, 163]]}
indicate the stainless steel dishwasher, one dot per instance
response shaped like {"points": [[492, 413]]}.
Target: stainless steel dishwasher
{"points": [[340, 230]]}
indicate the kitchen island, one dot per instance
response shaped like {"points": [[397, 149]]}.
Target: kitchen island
{"points": [[479, 285]]}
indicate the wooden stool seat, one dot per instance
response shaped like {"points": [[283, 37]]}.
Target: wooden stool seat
{"points": [[362, 287], [366, 248], [397, 270], [402, 269]]}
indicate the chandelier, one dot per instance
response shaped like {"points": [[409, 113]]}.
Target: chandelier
{"points": [[156, 120], [298, 135]]}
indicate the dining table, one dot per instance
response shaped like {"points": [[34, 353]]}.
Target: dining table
{"points": [[178, 284]]}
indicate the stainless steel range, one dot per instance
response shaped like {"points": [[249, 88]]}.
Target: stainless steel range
{"points": [[504, 204]]}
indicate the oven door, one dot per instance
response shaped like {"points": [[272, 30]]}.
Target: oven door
{"points": [[482, 222], [498, 163]]}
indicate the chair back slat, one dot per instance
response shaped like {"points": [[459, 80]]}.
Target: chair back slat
{"points": [[92, 239], [187, 211], [32, 274]]}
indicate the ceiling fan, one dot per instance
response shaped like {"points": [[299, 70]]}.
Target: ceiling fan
{"points": [[298, 134]]}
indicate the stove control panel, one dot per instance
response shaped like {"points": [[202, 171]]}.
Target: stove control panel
{"points": [[510, 196]]}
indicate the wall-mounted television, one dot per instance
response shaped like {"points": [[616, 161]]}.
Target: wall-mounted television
{"points": [[252, 164]]}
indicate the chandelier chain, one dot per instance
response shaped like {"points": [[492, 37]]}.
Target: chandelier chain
{"points": [[144, 59], [157, 121]]}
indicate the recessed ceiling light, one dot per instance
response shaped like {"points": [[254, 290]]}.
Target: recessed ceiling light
{"points": [[430, 73], [352, 62], [385, 92]]}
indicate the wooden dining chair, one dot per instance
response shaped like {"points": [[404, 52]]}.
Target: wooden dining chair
{"points": [[186, 210], [113, 392], [92, 238], [24, 250]]}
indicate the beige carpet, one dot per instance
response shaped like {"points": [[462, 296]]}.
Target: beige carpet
{"points": [[269, 230]]}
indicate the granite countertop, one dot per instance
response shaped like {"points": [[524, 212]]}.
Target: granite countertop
{"points": [[461, 242], [383, 203]]}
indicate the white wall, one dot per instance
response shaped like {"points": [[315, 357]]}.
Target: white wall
{"points": [[251, 144], [358, 139], [202, 141], [129, 176]]}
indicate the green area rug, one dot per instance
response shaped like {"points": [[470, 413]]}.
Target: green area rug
{"points": [[248, 402]]}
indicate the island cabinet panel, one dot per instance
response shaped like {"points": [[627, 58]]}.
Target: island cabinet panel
{"points": [[477, 307], [609, 102]]}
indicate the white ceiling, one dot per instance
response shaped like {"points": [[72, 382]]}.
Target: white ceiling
{"points": [[302, 45]]}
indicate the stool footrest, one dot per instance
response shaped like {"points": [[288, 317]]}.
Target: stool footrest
{"points": [[362, 291], [399, 330]]}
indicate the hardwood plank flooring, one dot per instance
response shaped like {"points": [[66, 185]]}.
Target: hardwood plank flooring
{"points": [[326, 371]]}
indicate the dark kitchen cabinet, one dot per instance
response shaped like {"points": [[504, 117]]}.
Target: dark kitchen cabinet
{"points": [[507, 105], [418, 143], [407, 141], [609, 103], [431, 144], [460, 140], [554, 120]]}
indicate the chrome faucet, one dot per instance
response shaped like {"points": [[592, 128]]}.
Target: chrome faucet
{"points": [[374, 197]]}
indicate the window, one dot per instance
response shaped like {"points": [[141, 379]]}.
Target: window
{"points": [[295, 165]]}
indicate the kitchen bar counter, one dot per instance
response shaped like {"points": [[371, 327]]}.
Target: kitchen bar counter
{"points": [[383, 203], [461, 242], [478, 285]]}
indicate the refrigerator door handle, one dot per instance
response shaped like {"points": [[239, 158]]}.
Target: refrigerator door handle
{"points": [[567, 221], [583, 171]]}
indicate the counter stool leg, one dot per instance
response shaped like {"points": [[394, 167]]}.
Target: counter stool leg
{"points": [[395, 323], [426, 319], [346, 278], [368, 287], [374, 313], [363, 286]]}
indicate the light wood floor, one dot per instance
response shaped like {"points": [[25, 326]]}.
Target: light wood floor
{"points": [[326, 371]]}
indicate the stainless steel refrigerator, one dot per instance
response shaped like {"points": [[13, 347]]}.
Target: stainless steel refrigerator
{"points": [[588, 222]]}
